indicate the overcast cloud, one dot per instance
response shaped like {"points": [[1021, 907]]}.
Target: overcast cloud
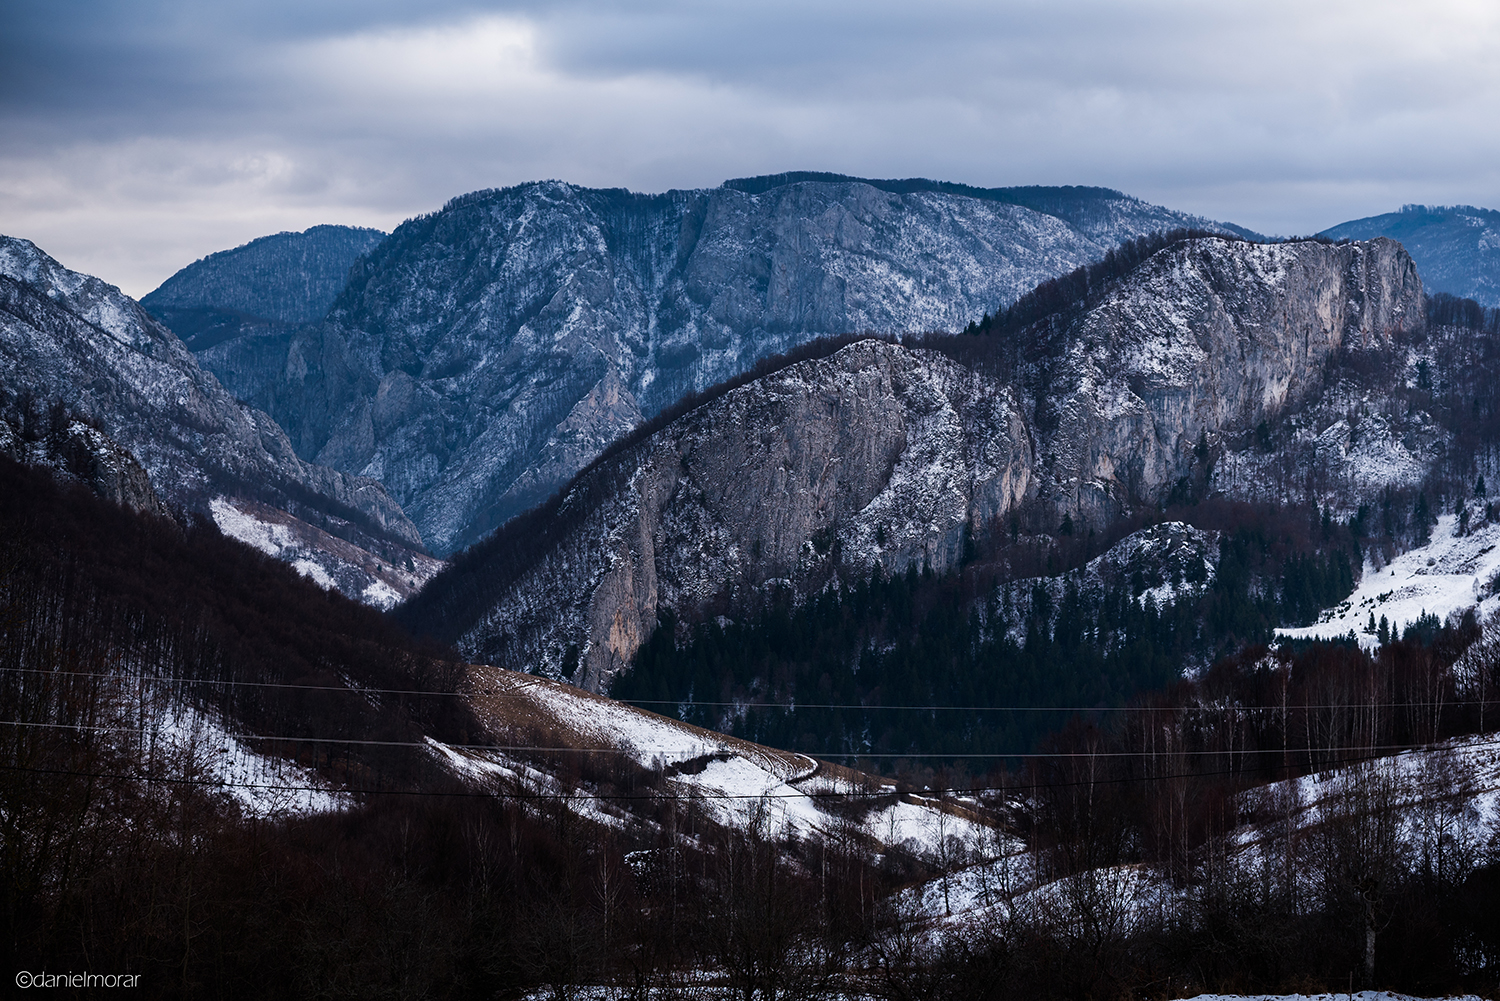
{"points": [[139, 136]]}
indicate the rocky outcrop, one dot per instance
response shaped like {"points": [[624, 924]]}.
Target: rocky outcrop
{"points": [[485, 353], [883, 455], [90, 456], [70, 338], [1206, 340], [878, 455], [1456, 247]]}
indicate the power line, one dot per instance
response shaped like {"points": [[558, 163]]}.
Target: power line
{"points": [[223, 682], [793, 706], [894, 755], [883, 793]]}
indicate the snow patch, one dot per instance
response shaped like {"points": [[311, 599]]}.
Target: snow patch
{"points": [[1449, 574], [261, 785], [270, 539]]}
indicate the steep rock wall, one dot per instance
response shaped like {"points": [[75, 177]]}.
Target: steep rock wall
{"points": [[876, 455], [484, 354], [885, 455], [1207, 339]]}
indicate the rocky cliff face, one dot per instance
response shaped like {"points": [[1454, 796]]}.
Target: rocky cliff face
{"points": [[70, 338], [1456, 247], [1195, 349], [877, 454], [483, 354], [88, 455], [886, 455]]}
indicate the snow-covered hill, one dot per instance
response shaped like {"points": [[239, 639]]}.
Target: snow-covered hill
{"points": [[541, 724], [1453, 572], [1449, 790]]}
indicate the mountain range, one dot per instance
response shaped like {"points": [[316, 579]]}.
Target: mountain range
{"points": [[881, 456], [483, 354]]}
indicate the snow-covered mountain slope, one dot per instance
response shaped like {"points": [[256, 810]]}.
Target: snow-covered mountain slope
{"points": [[259, 785], [1456, 247], [71, 339], [540, 724], [326, 559], [1450, 789], [883, 455], [484, 354], [1453, 572]]}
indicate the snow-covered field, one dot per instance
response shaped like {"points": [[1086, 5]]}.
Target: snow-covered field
{"points": [[734, 781], [1451, 573]]}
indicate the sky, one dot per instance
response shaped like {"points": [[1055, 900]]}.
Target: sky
{"points": [[139, 135]]}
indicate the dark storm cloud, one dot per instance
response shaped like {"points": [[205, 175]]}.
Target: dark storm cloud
{"points": [[141, 135]]}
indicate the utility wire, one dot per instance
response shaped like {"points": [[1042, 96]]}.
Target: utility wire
{"points": [[997, 755], [769, 705], [885, 793]]}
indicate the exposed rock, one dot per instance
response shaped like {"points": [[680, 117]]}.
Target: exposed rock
{"points": [[483, 354], [885, 455], [1207, 338], [880, 452], [70, 338], [1456, 247]]}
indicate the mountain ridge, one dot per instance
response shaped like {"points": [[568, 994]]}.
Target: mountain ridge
{"points": [[885, 456], [72, 340], [484, 353]]}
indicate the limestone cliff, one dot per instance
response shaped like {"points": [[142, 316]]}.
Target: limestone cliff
{"points": [[887, 455], [483, 354]]}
